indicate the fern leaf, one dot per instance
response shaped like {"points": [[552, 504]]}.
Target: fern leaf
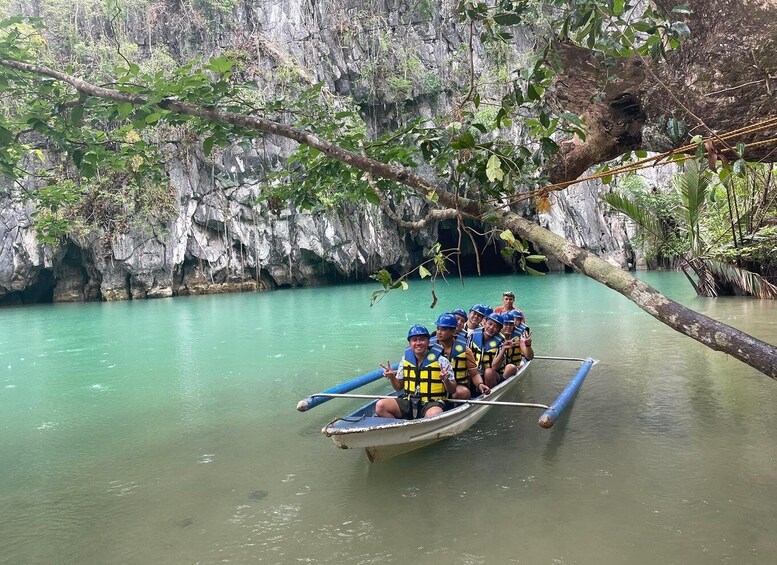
{"points": [[641, 215]]}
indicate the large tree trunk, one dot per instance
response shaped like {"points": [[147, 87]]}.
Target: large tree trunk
{"points": [[721, 79]]}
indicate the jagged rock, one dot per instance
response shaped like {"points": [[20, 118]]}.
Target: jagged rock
{"points": [[219, 239], [583, 219], [25, 264]]}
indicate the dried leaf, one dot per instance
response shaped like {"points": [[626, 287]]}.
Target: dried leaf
{"points": [[543, 204]]}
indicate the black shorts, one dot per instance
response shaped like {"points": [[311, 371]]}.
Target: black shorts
{"points": [[406, 407]]}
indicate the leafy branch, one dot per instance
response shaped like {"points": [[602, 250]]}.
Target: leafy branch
{"points": [[437, 261]]}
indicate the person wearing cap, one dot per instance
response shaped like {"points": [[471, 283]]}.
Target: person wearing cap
{"points": [[520, 322], [469, 382], [489, 311], [508, 302], [485, 344], [425, 375]]}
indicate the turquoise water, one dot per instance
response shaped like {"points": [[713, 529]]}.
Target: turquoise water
{"points": [[164, 431]]}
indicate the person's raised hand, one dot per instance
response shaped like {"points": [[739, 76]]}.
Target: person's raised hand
{"points": [[388, 372]]}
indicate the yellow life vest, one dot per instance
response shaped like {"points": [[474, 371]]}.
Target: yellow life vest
{"points": [[458, 359], [513, 355], [424, 376], [485, 350]]}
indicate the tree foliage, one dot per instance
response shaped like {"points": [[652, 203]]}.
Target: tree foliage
{"points": [[465, 150], [699, 224], [460, 162]]}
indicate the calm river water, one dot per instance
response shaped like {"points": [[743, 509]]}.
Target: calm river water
{"points": [[164, 431]]}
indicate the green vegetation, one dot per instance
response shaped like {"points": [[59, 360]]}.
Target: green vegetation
{"points": [[114, 146], [393, 72], [462, 167], [92, 132], [719, 226]]}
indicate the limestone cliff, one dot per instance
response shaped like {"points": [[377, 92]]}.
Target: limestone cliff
{"points": [[395, 58]]}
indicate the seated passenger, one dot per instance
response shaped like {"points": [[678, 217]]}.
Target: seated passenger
{"points": [[489, 311], [425, 376], [476, 315], [514, 349], [523, 334], [469, 383], [485, 344], [461, 318], [520, 322]]}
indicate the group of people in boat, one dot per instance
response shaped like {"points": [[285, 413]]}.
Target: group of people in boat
{"points": [[467, 355]]}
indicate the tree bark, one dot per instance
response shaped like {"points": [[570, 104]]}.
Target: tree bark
{"points": [[715, 335]]}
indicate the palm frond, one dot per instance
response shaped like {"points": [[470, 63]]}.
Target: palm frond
{"points": [[748, 281], [693, 187], [641, 215]]}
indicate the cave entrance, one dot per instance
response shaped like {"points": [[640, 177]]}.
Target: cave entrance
{"points": [[489, 248], [39, 292]]}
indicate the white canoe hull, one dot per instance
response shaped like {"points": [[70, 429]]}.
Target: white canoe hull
{"points": [[383, 438]]}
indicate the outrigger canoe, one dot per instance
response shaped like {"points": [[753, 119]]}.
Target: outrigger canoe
{"points": [[383, 438], [386, 437]]}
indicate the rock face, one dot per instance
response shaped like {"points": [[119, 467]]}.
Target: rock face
{"points": [[583, 219], [25, 265], [580, 215], [218, 239]]}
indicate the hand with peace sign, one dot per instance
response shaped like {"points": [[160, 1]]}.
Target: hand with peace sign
{"points": [[392, 375], [526, 348], [388, 372]]}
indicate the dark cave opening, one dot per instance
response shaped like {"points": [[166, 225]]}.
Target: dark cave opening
{"points": [[40, 292], [489, 251]]}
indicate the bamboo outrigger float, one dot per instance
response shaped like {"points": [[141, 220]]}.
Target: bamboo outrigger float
{"points": [[383, 438]]}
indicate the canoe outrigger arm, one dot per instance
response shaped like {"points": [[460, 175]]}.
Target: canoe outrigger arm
{"points": [[451, 400], [567, 395], [315, 399]]}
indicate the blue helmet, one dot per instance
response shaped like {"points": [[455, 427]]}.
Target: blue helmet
{"points": [[517, 314], [508, 317], [447, 321], [496, 318], [417, 330], [459, 312], [480, 309], [489, 311]]}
